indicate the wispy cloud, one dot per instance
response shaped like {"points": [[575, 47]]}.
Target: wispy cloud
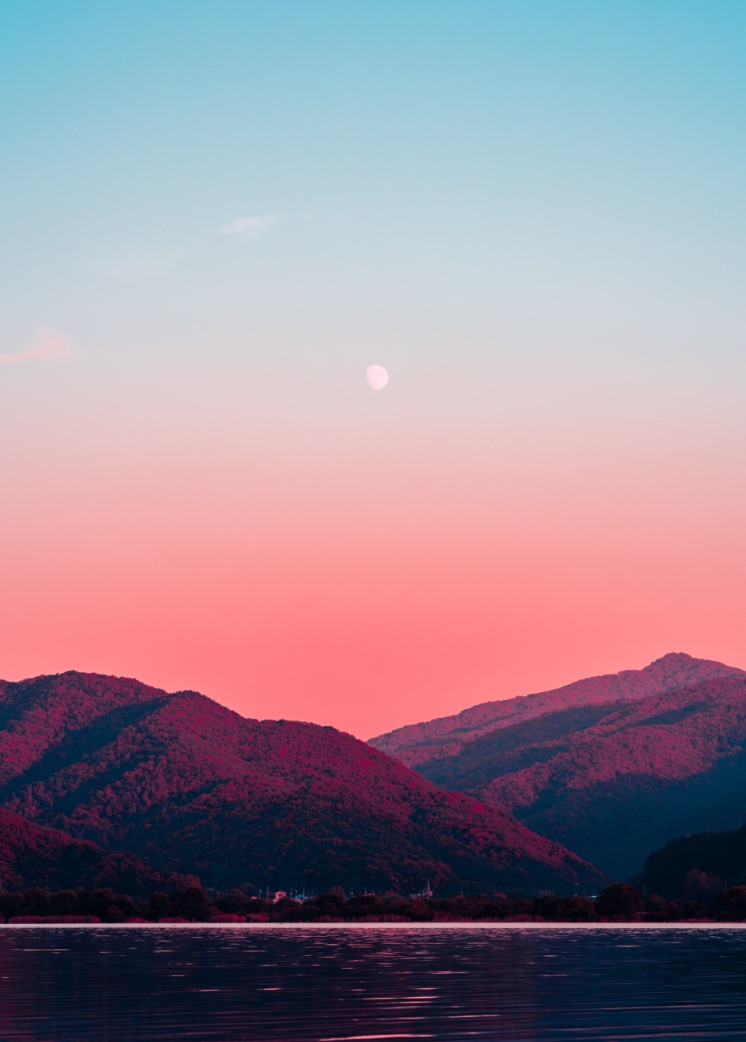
{"points": [[250, 227], [44, 344]]}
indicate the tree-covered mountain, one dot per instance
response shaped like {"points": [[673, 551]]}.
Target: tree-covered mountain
{"points": [[612, 767], [720, 857], [32, 855], [189, 784]]}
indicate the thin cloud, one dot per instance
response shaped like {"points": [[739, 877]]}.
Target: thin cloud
{"points": [[250, 227], [45, 344]]}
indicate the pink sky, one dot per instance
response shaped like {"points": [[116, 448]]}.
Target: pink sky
{"points": [[407, 571]]}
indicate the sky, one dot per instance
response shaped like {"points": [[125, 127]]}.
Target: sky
{"points": [[215, 216]]}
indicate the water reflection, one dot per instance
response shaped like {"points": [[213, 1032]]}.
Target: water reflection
{"points": [[309, 986]]}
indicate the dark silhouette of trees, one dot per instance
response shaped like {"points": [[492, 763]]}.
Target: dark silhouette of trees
{"points": [[731, 904], [36, 901], [548, 906], [159, 906], [661, 910], [696, 867], [10, 905], [619, 901], [580, 910], [702, 887], [192, 903], [64, 902], [494, 908], [237, 903]]}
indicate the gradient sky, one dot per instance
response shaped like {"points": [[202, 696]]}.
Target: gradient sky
{"points": [[214, 216]]}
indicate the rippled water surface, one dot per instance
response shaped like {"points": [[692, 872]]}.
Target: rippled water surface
{"points": [[264, 985]]}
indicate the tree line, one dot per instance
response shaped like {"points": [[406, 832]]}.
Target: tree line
{"points": [[618, 902]]}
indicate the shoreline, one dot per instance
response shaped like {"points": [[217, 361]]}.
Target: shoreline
{"points": [[509, 927]]}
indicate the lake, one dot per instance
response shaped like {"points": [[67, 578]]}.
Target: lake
{"points": [[299, 984]]}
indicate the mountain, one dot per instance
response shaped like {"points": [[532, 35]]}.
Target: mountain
{"points": [[185, 782], [32, 855], [612, 767], [447, 735]]}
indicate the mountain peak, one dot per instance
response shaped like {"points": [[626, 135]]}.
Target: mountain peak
{"points": [[677, 669], [672, 657]]}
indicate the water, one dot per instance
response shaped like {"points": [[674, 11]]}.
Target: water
{"points": [[308, 985]]}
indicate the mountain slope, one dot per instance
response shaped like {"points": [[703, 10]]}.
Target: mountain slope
{"points": [[186, 782], [613, 779], [446, 736], [32, 855], [718, 854]]}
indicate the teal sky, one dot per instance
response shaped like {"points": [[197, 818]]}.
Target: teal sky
{"points": [[215, 215], [483, 163]]}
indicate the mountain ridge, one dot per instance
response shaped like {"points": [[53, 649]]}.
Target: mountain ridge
{"points": [[419, 742], [611, 780], [180, 780]]}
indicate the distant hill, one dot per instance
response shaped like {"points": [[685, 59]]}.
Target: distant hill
{"points": [[612, 766], [185, 782], [32, 855], [718, 854]]}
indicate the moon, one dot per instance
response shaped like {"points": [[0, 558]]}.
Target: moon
{"points": [[377, 377]]}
